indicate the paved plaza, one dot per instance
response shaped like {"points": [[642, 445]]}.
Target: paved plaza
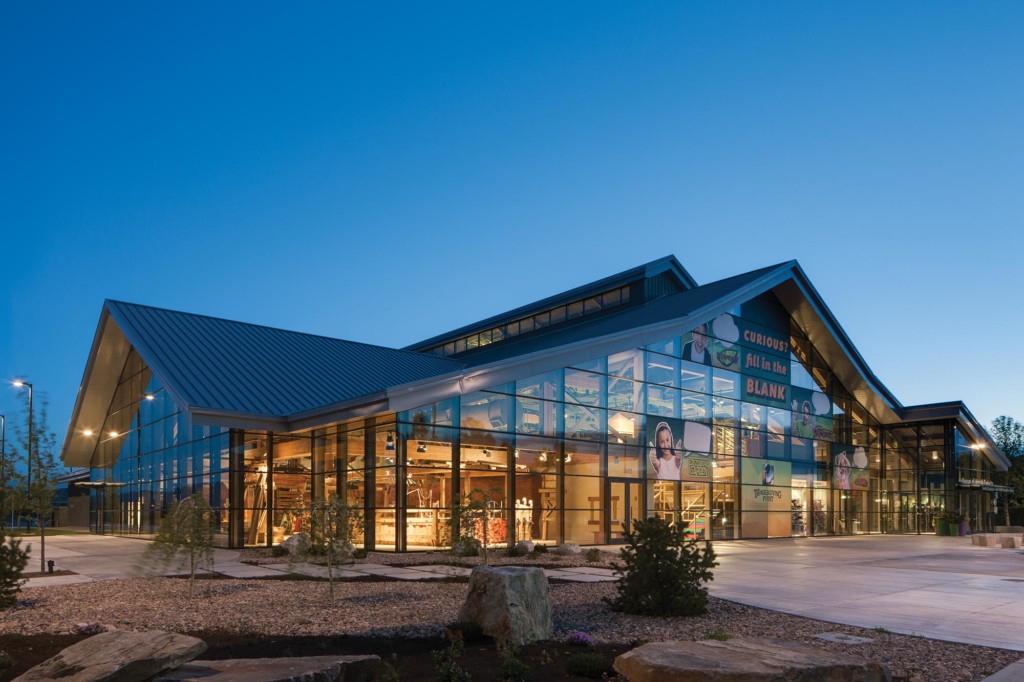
{"points": [[938, 587]]}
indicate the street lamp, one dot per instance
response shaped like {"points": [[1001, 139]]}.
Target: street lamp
{"points": [[18, 383], [3, 459]]}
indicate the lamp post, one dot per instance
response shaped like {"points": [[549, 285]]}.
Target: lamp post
{"points": [[3, 462], [31, 435]]}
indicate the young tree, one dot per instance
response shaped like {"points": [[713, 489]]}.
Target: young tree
{"points": [[12, 564], [1008, 433], [186, 533], [473, 520], [37, 488], [334, 526]]}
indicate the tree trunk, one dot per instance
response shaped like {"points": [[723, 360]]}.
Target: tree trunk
{"points": [[42, 544]]}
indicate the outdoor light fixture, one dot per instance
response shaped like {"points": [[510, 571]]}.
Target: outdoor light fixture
{"points": [[114, 434], [150, 396], [389, 443], [87, 433]]}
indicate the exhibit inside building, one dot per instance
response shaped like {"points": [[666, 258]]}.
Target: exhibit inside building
{"points": [[739, 407]]}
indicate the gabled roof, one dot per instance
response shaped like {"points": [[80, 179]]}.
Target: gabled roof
{"points": [[216, 366], [669, 267]]}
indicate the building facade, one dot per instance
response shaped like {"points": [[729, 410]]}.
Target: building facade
{"points": [[739, 408]]}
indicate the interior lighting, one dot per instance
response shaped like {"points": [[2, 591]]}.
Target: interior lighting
{"points": [[516, 453], [568, 457], [389, 443], [487, 452], [421, 448], [543, 456], [935, 455]]}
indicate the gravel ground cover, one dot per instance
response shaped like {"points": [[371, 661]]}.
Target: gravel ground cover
{"points": [[497, 557], [285, 608]]}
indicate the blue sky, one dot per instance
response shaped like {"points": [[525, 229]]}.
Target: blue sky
{"points": [[386, 172]]}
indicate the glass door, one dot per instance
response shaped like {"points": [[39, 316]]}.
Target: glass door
{"points": [[624, 507]]}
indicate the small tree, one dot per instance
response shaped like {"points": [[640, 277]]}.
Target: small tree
{"points": [[334, 525], [34, 493], [13, 560], [186, 533], [478, 510], [662, 573]]}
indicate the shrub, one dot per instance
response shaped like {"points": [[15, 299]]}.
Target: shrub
{"points": [[580, 638], [514, 552], [466, 630], [446, 661], [185, 534], [13, 560], [6, 660], [590, 664], [360, 553], [278, 551], [540, 549], [717, 633], [663, 573], [593, 554], [511, 667]]}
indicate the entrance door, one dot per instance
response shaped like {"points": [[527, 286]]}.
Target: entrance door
{"points": [[624, 506]]}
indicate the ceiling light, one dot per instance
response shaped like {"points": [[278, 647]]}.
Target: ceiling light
{"points": [[487, 452], [114, 434], [87, 432], [389, 443], [543, 457], [421, 448], [150, 396]]}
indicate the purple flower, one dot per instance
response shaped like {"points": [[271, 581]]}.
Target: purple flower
{"points": [[580, 638]]}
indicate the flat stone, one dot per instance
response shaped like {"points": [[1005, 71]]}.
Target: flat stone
{"points": [[300, 669], [744, 660], [843, 638], [118, 656], [567, 549], [509, 603]]}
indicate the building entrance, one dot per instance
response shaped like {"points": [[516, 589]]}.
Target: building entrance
{"points": [[624, 506]]}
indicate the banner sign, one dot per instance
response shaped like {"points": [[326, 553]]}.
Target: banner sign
{"points": [[678, 450]]}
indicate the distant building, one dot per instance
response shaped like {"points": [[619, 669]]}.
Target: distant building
{"points": [[740, 407]]}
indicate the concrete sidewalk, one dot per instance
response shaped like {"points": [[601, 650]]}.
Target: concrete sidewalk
{"points": [[938, 587]]}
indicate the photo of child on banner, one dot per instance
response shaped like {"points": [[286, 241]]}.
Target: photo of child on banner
{"points": [[812, 414], [850, 470], [679, 450]]}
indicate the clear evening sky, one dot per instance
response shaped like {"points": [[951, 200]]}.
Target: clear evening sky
{"points": [[385, 172]]}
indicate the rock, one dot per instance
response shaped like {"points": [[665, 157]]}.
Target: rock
{"points": [[297, 544], [466, 546], [567, 548], [510, 603], [525, 546], [300, 669], [746, 660], [118, 656]]}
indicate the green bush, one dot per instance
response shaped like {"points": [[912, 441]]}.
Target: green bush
{"points": [[514, 552], [540, 549], [512, 668], [589, 664], [717, 633], [278, 551], [446, 661], [593, 554], [662, 573], [359, 553], [13, 560]]}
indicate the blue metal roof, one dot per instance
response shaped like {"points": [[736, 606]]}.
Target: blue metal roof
{"points": [[219, 364]]}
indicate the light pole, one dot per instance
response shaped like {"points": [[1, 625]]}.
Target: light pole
{"points": [[31, 435], [3, 464]]}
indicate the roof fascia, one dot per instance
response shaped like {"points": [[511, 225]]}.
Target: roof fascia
{"points": [[889, 405], [162, 374], [363, 406], [109, 348], [434, 389]]}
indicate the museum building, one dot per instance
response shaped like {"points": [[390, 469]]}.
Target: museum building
{"points": [[739, 407]]}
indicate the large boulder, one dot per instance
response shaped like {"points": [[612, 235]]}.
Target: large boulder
{"points": [[744, 660], [117, 656], [509, 603], [297, 544], [567, 549], [300, 669]]}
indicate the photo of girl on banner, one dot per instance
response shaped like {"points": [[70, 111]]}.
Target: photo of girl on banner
{"points": [[679, 451], [850, 471]]}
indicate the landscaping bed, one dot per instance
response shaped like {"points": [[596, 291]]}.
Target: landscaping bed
{"points": [[277, 618]]}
